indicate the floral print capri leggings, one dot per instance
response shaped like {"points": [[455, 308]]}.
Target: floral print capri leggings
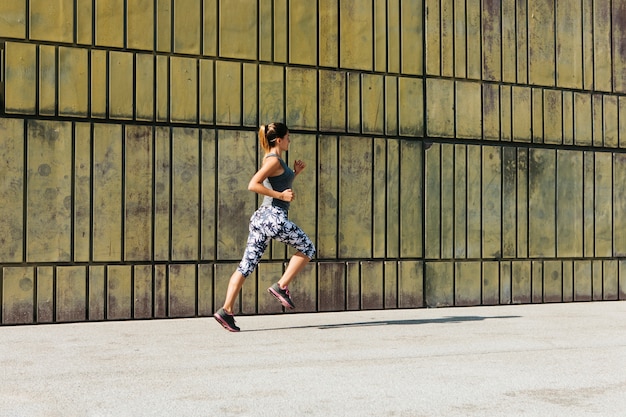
{"points": [[267, 223]]}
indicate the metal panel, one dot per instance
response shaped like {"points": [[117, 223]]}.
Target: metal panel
{"points": [[207, 92], [13, 22], [138, 193], [411, 107], [610, 280], [536, 283], [552, 117], [280, 30], [390, 284], [522, 206], [522, 42], [492, 202], [20, 78], [468, 110], [541, 47], [160, 291], [51, 20], [412, 35], [47, 80], [142, 291], [597, 115], [373, 104], [73, 82], [569, 51], [96, 293], [301, 98], [356, 35], [372, 285], [467, 283], [588, 204], [109, 22], [379, 204], [12, 189], [492, 114], [302, 33], [205, 290], [251, 95], [84, 22], [328, 32], [474, 48], [439, 284], [541, 203], [162, 192], [618, 41], [208, 184], [140, 24], [48, 220], [18, 291], [238, 29], [460, 38], [332, 101], [380, 34], [144, 87], [162, 88], [393, 199], [583, 134], [119, 303], [602, 26], [182, 290], [236, 163], [597, 274], [271, 94], [506, 296], [228, 93], [603, 202], [568, 118], [509, 202], [552, 282], [490, 283], [185, 194], [98, 84], [587, 45], [410, 284], [520, 282], [509, 40], [355, 197], [536, 117], [447, 201], [353, 102], [71, 293], [163, 25], [568, 281], [391, 106], [433, 37], [619, 204], [569, 203], [411, 199], [582, 280], [432, 197], [353, 287], [622, 279], [328, 197], [447, 38], [491, 40], [506, 113], [521, 113], [610, 121], [121, 70], [474, 191], [209, 27], [184, 90], [45, 295], [187, 26], [391, 34], [332, 286], [460, 201], [106, 189], [440, 108]]}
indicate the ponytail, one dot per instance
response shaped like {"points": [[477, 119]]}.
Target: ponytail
{"points": [[269, 133]]}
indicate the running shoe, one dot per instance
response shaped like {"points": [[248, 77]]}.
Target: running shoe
{"points": [[226, 320], [281, 295]]}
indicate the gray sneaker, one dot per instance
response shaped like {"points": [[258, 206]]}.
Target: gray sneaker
{"points": [[281, 295], [226, 320]]}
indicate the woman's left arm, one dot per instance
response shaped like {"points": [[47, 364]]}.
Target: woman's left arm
{"points": [[298, 166]]}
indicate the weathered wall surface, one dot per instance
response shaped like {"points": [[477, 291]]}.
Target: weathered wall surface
{"points": [[460, 152]]}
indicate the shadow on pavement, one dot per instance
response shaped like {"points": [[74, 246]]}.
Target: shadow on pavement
{"points": [[451, 319]]}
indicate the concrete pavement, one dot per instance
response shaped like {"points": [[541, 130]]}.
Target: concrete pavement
{"points": [[520, 360]]}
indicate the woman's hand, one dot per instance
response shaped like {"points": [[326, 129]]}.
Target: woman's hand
{"points": [[298, 166], [287, 195]]}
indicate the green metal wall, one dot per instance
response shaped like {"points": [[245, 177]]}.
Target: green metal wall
{"points": [[460, 152]]}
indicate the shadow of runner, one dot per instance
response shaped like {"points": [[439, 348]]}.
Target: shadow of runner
{"points": [[450, 319]]}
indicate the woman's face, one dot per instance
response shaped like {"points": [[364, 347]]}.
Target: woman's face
{"points": [[284, 142]]}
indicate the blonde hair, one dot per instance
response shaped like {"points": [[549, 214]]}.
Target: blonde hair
{"points": [[269, 133]]}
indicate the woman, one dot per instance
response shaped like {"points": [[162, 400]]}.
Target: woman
{"points": [[273, 181]]}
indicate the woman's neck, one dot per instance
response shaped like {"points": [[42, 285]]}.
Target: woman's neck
{"points": [[276, 150]]}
